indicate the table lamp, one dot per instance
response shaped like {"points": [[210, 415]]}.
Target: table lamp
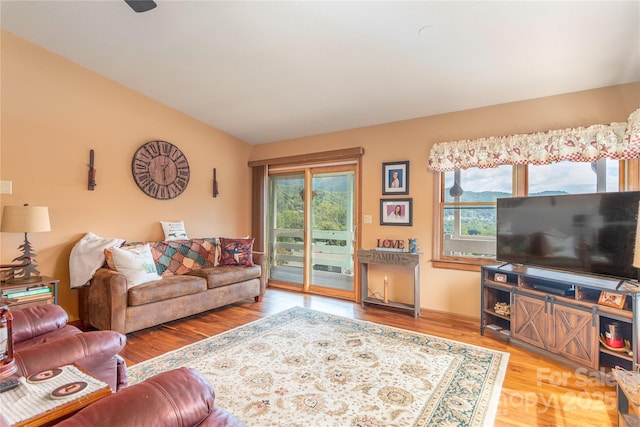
{"points": [[25, 219]]}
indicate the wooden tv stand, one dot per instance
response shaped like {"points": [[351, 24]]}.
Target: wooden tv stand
{"points": [[567, 327]]}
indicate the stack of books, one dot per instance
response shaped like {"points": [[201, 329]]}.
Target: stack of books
{"points": [[25, 292]]}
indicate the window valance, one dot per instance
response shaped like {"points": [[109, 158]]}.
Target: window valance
{"points": [[619, 141]]}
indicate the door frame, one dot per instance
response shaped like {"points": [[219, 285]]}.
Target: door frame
{"points": [[260, 195]]}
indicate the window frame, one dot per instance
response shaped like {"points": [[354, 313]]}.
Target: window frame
{"points": [[629, 180]]}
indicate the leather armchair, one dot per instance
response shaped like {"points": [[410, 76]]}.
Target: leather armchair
{"points": [[43, 339], [178, 398]]}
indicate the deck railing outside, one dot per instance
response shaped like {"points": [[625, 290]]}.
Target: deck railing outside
{"points": [[478, 245], [332, 249]]}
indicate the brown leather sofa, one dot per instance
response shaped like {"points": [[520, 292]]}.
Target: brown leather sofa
{"points": [[43, 340], [182, 397], [108, 304]]}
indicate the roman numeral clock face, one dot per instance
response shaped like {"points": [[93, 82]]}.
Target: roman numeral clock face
{"points": [[160, 169]]}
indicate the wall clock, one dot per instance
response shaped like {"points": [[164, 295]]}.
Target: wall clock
{"points": [[160, 169]]}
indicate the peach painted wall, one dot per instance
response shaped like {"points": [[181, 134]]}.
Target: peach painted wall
{"points": [[444, 289], [54, 111]]}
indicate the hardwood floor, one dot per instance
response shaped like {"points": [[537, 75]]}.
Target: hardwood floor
{"points": [[536, 391]]}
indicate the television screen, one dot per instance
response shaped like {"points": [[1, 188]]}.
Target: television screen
{"points": [[585, 233]]}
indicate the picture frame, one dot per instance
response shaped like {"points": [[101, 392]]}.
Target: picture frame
{"points": [[612, 299], [396, 212], [395, 178]]}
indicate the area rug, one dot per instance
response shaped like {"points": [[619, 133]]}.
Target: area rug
{"points": [[307, 368]]}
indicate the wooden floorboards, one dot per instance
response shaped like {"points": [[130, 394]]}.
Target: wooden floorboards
{"points": [[536, 391]]}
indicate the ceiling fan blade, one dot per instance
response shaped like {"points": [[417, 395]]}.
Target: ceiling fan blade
{"points": [[141, 5]]}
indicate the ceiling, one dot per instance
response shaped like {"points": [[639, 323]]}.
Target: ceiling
{"points": [[269, 70]]}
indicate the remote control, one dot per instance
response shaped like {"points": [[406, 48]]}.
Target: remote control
{"points": [[8, 385]]}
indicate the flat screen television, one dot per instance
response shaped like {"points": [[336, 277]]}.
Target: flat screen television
{"points": [[583, 233]]}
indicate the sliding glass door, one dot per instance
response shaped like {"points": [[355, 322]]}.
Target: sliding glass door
{"points": [[286, 228], [312, 229], [333, 230]]}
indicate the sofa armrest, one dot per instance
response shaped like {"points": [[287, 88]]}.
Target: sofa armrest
{"points": [[260, 258], [94, 351], [104, 301], [37, 320], [181, 397]]}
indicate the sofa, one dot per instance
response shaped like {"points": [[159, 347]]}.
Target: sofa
{"points": [[194, 276], [181, 397], [43, 340]]}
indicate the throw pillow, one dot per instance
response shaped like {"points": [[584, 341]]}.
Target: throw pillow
{"points": [[174, 230], [108, 253], [236, 251], [136, 264], [183, 256]]}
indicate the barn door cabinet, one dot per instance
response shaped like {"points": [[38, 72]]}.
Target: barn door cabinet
{"points": [[563, 330], [557, 314]]}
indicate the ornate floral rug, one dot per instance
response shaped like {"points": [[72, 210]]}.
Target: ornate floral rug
{"points": [[307, 368]]}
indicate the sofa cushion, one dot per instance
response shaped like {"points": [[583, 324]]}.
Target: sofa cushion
{"points": [[136, 264], [167, 287], [223, 275], [236, 251], [34, 321]]}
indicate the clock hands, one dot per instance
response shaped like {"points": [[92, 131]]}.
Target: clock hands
{"points": [[164, 172]]}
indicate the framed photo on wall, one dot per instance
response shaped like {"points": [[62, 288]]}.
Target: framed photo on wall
{"points": [[396, 212], [395, 178]]}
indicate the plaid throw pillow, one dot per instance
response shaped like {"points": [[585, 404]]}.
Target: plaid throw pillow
{"points": [[183, 256]]}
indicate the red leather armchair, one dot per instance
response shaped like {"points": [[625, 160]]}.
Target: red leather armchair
{"points": [[43, 339], [178, 398]]}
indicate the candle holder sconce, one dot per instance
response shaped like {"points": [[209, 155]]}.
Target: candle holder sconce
{"points": [[216, 191], [92, 172]]}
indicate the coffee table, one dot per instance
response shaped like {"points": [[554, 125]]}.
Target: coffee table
{"points": [[32, 404]]}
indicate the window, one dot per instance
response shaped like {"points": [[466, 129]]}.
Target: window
{"points": [[473, 173], [467, 200], [469, 210], [574, 177]]}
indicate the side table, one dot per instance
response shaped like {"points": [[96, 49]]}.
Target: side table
{"points": [[30, 405], [27, 296], [628, 393]]}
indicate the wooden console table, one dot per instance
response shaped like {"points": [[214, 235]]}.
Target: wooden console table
{"points": [[402, 259]]}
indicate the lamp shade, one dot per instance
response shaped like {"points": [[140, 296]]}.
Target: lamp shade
{"points": [[25, 219]]}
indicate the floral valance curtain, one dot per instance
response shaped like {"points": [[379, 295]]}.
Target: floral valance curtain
{"points": [[619, 141]]}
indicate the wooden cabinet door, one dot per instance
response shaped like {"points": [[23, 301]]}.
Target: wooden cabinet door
{"points": [[529, 320], [574, 335]]}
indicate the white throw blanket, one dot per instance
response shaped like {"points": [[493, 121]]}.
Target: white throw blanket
{"points": [[87, 256]]}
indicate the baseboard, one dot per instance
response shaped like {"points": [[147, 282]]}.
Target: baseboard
{"points": [[445, 317]]}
